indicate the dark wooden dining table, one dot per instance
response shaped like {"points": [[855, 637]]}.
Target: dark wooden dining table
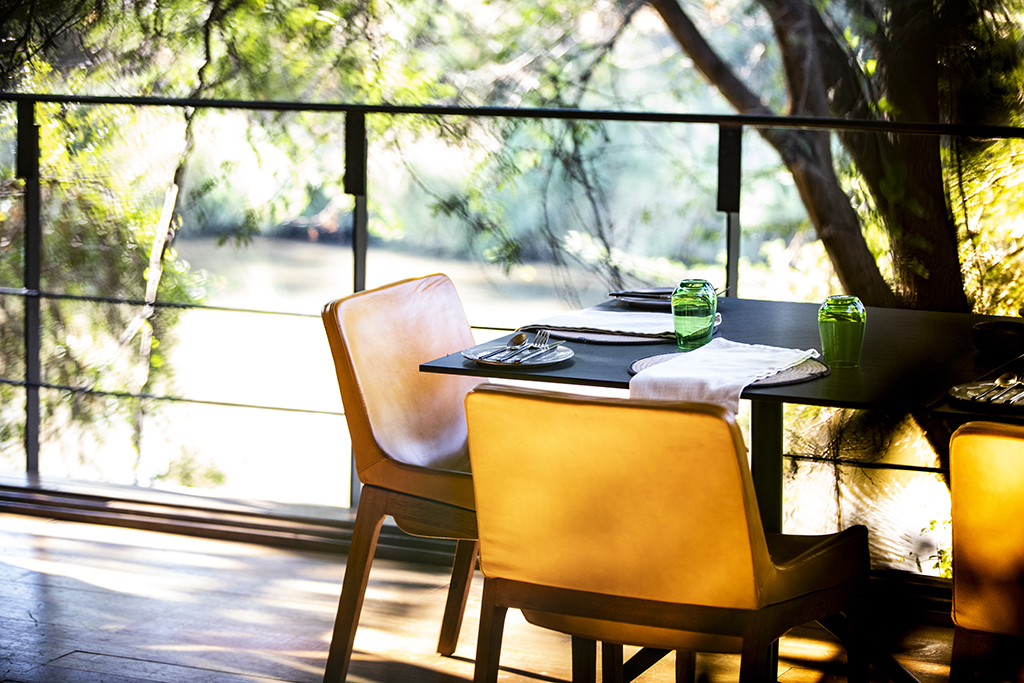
{"points": [[909, 362]]}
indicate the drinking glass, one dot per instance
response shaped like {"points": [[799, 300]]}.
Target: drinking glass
{"points": [[694, 304], [841, 322]]}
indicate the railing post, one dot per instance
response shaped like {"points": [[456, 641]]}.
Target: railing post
{"points": [[355, 185], [28, 170], [729, 173]]}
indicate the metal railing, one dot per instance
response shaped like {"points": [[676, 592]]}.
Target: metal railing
{"points": [[730, 129]]}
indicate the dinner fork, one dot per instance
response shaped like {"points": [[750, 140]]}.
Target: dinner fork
{"points": [[539, 342]]}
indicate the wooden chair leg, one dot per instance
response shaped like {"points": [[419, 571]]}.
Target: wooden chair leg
{"points": [[613, 667], [584, 660], [686, 666], [369, 517], [756, 661], [856, 642], [458, 593], [962, 666], [488, 640]]}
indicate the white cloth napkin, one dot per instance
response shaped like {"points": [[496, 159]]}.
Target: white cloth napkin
{"points": [[638, 323], [715, 373]]}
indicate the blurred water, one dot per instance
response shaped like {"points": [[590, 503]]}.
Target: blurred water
{"points": [[283, 361], [284, 454]]}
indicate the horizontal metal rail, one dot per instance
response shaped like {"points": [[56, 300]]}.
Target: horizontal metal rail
{"points": [[869, 465], [158, 397], [20, 291], [11, 291], [742, 120]]}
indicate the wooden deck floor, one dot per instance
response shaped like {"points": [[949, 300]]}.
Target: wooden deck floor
{"points": [[89, 603]]}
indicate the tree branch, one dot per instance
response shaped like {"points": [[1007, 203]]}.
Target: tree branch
{"points": [[807, 154], [715, 70]]}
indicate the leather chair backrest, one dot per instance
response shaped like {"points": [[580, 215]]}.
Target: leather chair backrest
{"points": [[987, 487], [379, 338], [615, 496]]}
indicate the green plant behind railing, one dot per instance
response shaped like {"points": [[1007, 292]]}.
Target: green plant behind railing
{"points": [[100, 216]]}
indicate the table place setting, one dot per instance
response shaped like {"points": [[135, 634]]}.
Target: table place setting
{"points": [[646, 298], [999, 393], [610, 326], [606, 325], [718, 371], [650, 298], [519, 350], [702, 366], [691, 303], [1002, 388]]}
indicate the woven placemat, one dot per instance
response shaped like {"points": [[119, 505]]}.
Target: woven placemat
{"points": [[802, 372]]}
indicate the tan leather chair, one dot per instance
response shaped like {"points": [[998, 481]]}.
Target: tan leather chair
{"points": [[408, 432], [635, 522], [987, 488]]}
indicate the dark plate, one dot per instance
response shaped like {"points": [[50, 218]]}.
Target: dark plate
{"points": [[646, 303], [967, 393], [645, 293]]}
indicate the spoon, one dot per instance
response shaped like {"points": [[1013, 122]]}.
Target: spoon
{"points": [[514, 344], [1015, 383], [1006, 380]]}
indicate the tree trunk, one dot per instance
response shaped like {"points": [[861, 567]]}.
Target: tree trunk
{"points": [[806, 154], [911, 192], [903, 173]]}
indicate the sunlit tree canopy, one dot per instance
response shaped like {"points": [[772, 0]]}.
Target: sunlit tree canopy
{"points": [[901, 217]]}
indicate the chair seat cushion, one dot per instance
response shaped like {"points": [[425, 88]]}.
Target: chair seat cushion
{"points": [[803, 564]]}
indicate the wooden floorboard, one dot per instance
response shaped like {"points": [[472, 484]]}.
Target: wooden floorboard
{"points": [[85, 603]]}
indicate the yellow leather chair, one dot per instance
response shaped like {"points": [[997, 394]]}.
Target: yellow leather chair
{"points": [[408, 432], [635, 522], [987, 488]]}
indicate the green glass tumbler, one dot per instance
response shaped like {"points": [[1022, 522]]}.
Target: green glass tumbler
{"points": [[694, 304], [841, 322]]}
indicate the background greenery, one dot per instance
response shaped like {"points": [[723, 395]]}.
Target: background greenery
{"points": [[934, 223]]}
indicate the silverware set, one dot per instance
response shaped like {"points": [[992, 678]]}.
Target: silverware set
{"points": [[521, 351], [1006, 382], [516, 343]]}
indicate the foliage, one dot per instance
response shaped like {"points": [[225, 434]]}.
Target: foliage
{"points": [[943, 556], [189, 470], [875, 66], [935, 223], [980, 72], [100, 220], [636, 189], [859, 59], [990, 190]]}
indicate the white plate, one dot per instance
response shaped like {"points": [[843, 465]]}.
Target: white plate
{"points": [[555, 355]]}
